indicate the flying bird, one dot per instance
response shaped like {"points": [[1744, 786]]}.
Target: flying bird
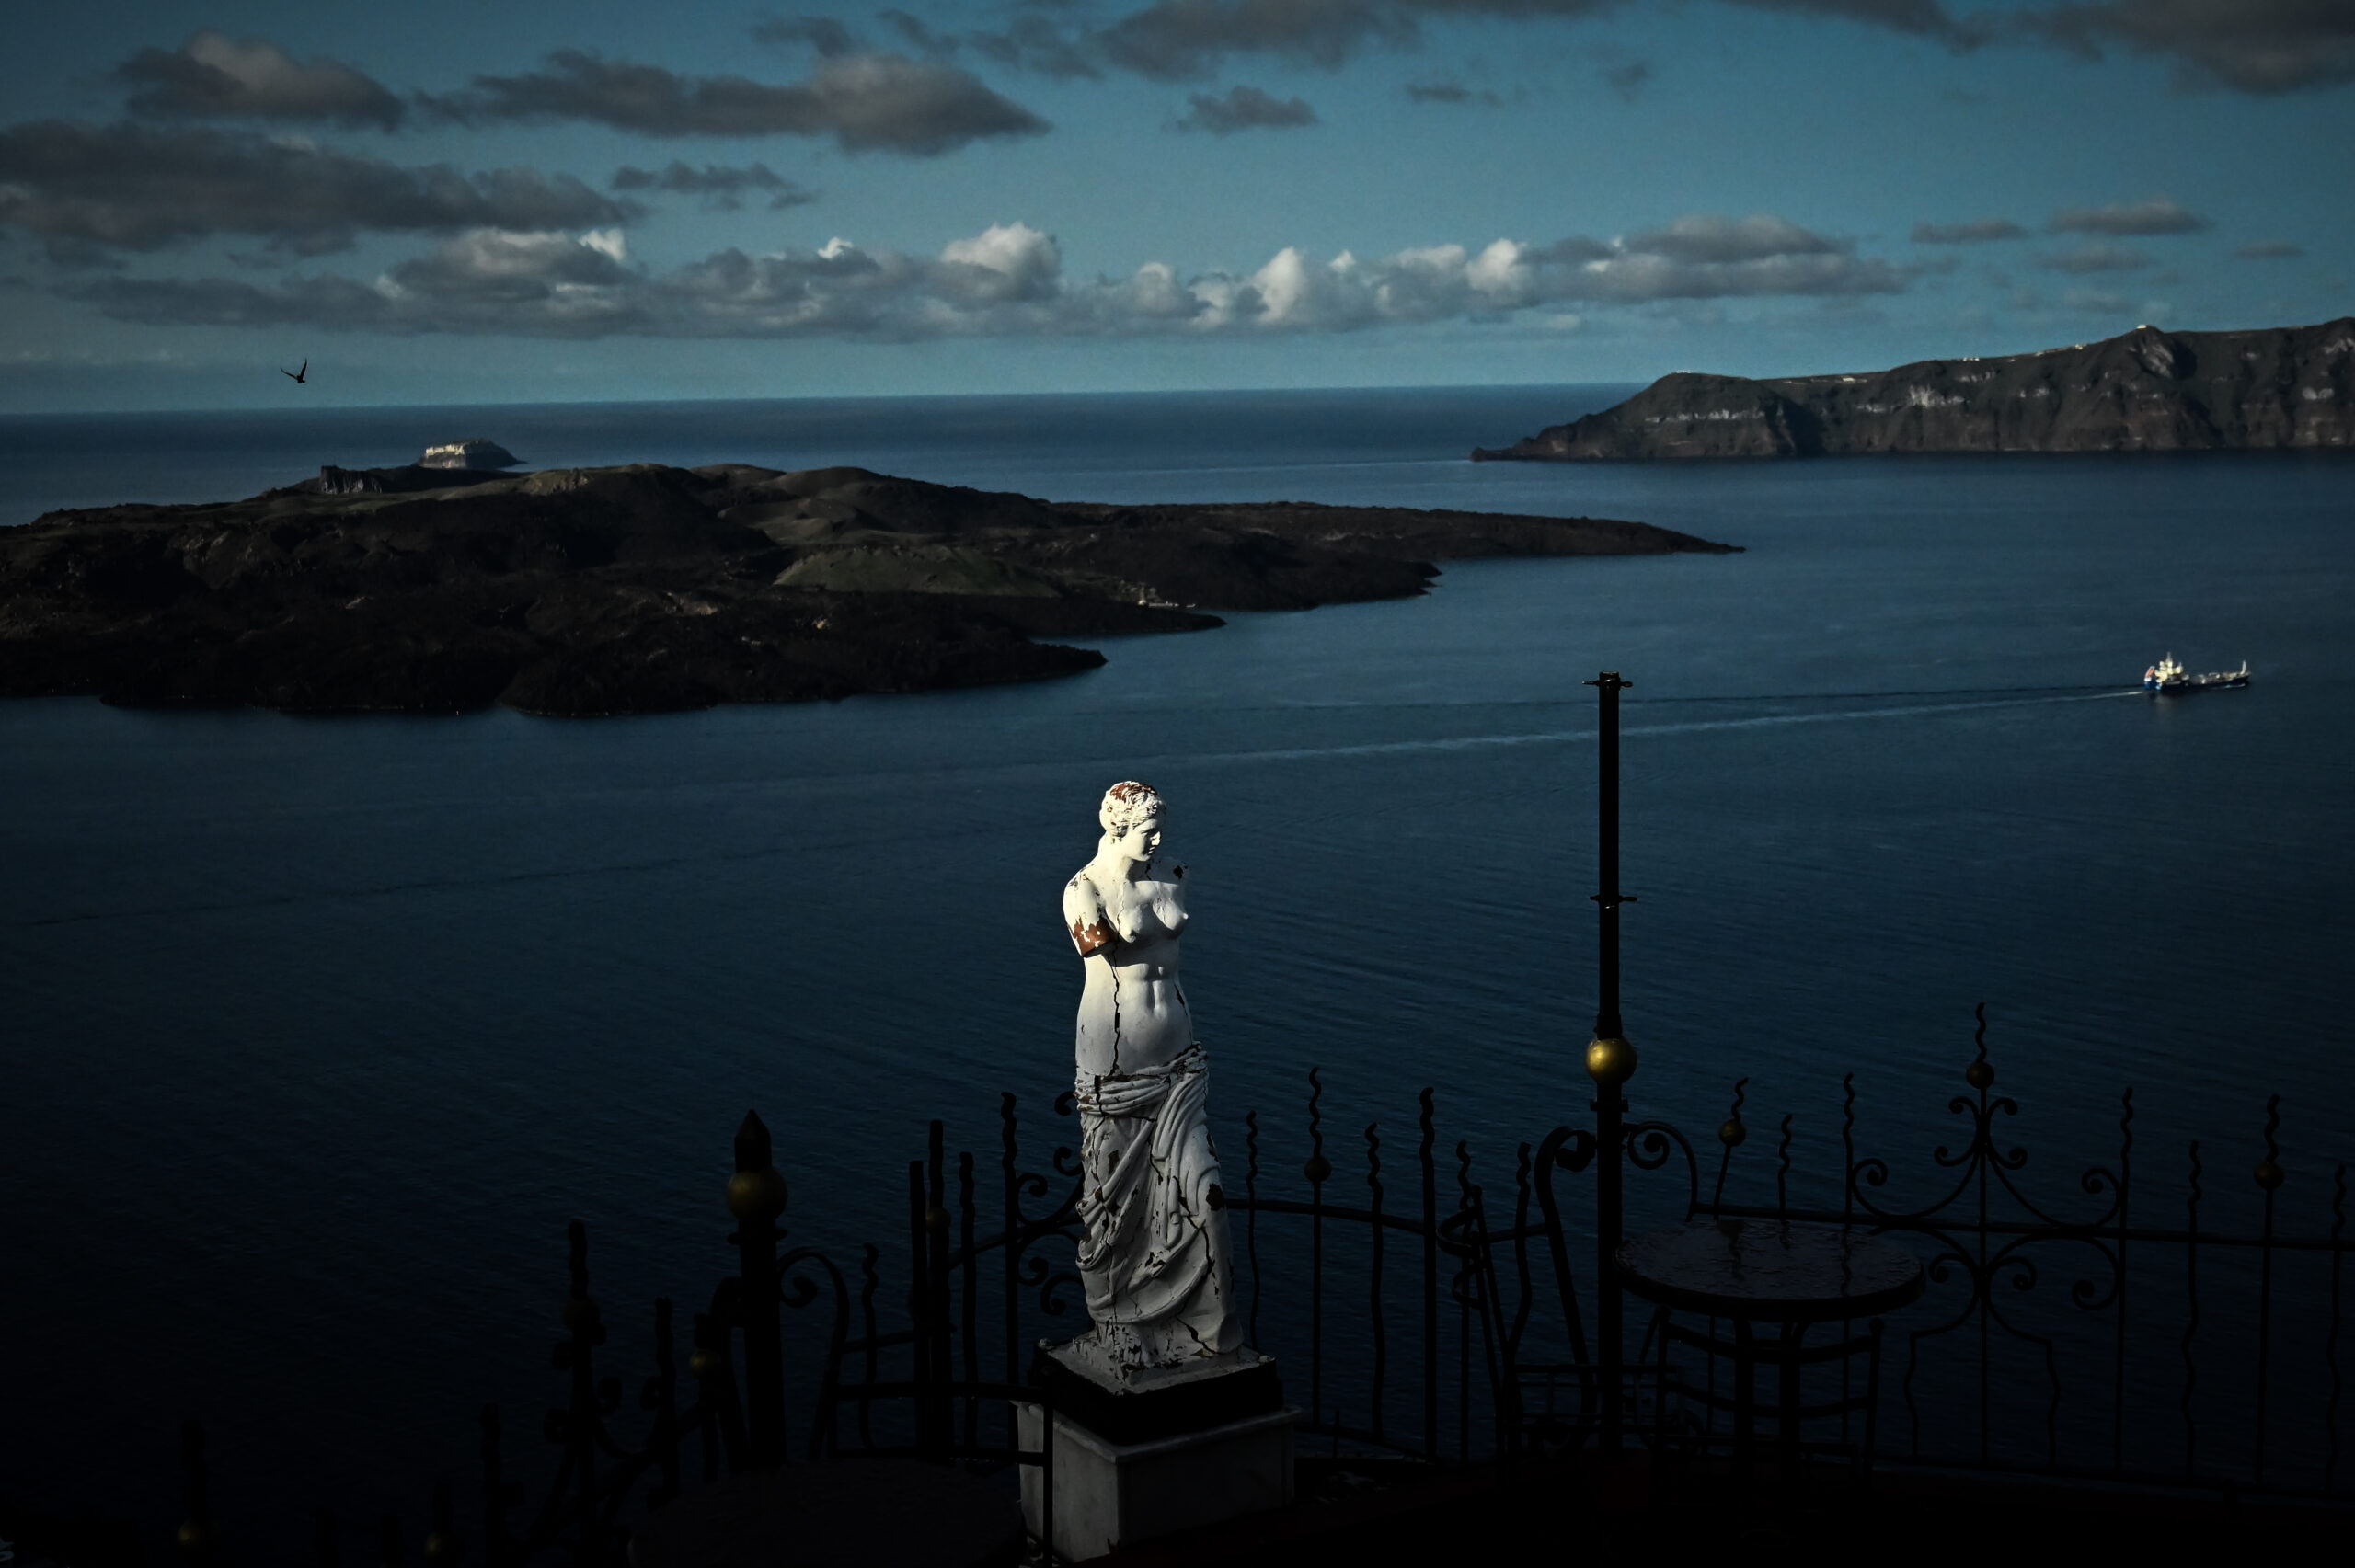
{"points": [[300, 376]]}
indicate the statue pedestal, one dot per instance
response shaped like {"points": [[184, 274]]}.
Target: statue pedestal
{"points": [[1146, 1452]]}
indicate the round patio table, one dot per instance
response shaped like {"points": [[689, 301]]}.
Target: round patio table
{"points": [[1769, 1271]]}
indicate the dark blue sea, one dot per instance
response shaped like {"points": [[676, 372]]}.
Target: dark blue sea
{"points": [[314, 1033]]}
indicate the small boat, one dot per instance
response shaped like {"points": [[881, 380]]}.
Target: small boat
{"points": [[2168, 679]]}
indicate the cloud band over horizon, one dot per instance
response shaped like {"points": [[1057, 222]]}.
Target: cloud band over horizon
{"points": [[1158, 171], [1007, 280]]}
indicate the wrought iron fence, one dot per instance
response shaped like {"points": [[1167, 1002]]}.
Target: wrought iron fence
{"points": [[1347, 1304], [1409, 1321], [2079, 1334], [800, 1357]]}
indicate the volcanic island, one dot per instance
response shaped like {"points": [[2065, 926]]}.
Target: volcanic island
{"points": [[450, 585], [2276, 388]]}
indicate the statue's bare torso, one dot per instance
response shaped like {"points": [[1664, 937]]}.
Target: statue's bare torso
{"points": [[1132, 1009]]}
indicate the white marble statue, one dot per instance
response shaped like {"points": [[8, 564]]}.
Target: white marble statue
{"points": [[1155, 1262]]}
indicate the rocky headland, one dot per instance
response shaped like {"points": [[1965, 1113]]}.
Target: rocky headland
{"points": [[646, 588], [2288, 387]]}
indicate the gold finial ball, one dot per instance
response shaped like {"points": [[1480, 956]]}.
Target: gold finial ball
{"points": [[195, 1538], [756, 1194], [1609, 1061], [936, 1219], [1318, 1168], [1979, 1074], [1733, 1133], [2269, 1175], [440, 1548], [700, 1365]]}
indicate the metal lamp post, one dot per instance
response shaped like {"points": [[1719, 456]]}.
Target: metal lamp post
{"points": [[1610, 1062]]}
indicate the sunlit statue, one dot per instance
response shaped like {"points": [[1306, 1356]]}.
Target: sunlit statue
{"points": [[1155, 1262]]}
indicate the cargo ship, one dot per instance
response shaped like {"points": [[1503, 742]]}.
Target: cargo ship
{"points": [[2168, 679]]}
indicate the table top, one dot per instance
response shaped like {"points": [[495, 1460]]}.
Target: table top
{"points": [[1771, 1270]]}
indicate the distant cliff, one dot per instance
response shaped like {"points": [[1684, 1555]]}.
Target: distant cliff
{"points": [[2145, 390]]}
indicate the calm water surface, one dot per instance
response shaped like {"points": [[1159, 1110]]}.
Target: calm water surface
{"points": [[317, 1032]]}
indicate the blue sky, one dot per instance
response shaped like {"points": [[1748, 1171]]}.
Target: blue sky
{"points": [[477, 200]]}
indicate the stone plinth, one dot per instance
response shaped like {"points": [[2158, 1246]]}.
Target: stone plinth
{"points": [[1148, 1451], [1126, 1403], [1110, 1495]]}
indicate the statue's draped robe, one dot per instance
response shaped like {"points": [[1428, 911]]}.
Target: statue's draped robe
{"points": [[1155, 1263]]}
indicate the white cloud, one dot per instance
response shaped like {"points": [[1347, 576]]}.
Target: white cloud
{"points": [[1009, 280], [1502, 272], [1006, 261], [1289, 288]]}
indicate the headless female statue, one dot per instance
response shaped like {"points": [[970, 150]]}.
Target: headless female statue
{"points": [[1155, 1261]]}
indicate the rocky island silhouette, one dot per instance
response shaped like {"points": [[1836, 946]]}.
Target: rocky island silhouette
{"points": [[642, 587]]}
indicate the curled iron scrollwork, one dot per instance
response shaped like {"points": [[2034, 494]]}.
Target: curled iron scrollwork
{"points": [[1650, 1146]]}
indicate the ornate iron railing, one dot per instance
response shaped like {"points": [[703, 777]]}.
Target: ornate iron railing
{"points": [[1428, 1329], [1996, 1374], [797, 1358], [1450, 1270]]}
